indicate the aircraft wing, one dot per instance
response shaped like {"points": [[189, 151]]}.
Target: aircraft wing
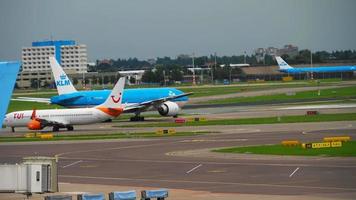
{"points": [[32, 99], [145, 105], [54, 122]]}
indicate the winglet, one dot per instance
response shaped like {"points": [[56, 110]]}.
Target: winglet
{"points": [[283, 65], [64, 85], [33, 116]]}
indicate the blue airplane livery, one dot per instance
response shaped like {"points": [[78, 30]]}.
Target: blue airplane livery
{"points": [[8, 74], [167, 101], [284, 67], [63, 81]]}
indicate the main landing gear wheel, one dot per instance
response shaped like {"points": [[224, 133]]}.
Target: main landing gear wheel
{"points": [[55, 128], [70, 128]]}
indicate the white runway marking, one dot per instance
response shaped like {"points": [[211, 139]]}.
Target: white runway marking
{"points": [[293, 172], [79, 161], [196, 167]]}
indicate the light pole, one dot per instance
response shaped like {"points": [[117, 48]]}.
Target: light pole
{"points": [[194, 82], [212, 70], [311, 64]]}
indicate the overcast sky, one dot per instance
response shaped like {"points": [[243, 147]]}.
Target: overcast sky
{"points": [[156, 28]]}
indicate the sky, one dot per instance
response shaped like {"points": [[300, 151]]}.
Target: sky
{"points": [[156, 28]]}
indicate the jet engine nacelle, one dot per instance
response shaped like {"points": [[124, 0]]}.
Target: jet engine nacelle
{"points": [[34, 125], [168, 108]]}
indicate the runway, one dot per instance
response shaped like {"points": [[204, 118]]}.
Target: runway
{"points": [[153, 163]]}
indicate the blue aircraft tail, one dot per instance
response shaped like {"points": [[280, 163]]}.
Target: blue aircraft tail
{"points": [[8, 74]]}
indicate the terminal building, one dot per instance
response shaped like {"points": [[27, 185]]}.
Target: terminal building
{"points": [[35, 61]]}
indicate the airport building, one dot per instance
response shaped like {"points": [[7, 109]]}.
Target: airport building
{"points": [[35, 61]]}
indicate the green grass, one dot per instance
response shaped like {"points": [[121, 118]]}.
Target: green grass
{"points": [[262, 120], [221, 90], [23, 105], [60, 137], [347, 149], [336, 93]]}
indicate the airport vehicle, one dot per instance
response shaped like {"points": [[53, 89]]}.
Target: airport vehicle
{"points": [[66, 118], [284, 67], [8, 74], [167, 101]]}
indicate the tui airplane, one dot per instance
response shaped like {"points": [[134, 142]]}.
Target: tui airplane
{"points": [[65, 118]]}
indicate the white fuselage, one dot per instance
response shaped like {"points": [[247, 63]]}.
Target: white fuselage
{"points": [[74, 116]]}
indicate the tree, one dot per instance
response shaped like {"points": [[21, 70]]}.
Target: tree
{"points": [[75, 81], [148, 76], [94, 80], [113, 79], [106, 79], [132, 80]]}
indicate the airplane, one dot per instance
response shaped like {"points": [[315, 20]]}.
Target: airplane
{"points": [[284, 67], [8, 74], [66, 118], [167, 101]]}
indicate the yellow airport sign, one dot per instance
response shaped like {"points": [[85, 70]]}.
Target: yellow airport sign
{"points": [[319, 145], [337, 139], [287, 78], [197, 119], [165, 131], [290, 143], [46, 136], [336, 144]]}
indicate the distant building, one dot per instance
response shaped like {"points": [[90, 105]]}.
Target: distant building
{"points": [[35, 60], [288, 49]]}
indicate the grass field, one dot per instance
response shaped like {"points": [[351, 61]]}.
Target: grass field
{"points": [[261, 120], [347, 149], [244, 87], [336, 93], [60, 137], [22, 105]]}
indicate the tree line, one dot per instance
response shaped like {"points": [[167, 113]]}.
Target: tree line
{"points": [[303, 57]]}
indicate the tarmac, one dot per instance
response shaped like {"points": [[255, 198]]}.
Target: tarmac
{"points": [[185, 164]]}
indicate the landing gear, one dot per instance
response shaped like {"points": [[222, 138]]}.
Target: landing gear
{"points": [[13, 129], [107, 121], [175, 116], [55, 128], [137, 118], [70, 128]]}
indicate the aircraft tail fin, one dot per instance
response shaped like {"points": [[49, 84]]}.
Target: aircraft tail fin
{"points": [[8, 74], [63, 84], [282, 64], [115, 98]]}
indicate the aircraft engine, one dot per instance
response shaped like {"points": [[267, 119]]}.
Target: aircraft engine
{"points": [[34, 125], [168, 108]]}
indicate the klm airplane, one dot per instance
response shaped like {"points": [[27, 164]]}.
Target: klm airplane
{"points": [[8, 74], [284, 67], [167, 101]]}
